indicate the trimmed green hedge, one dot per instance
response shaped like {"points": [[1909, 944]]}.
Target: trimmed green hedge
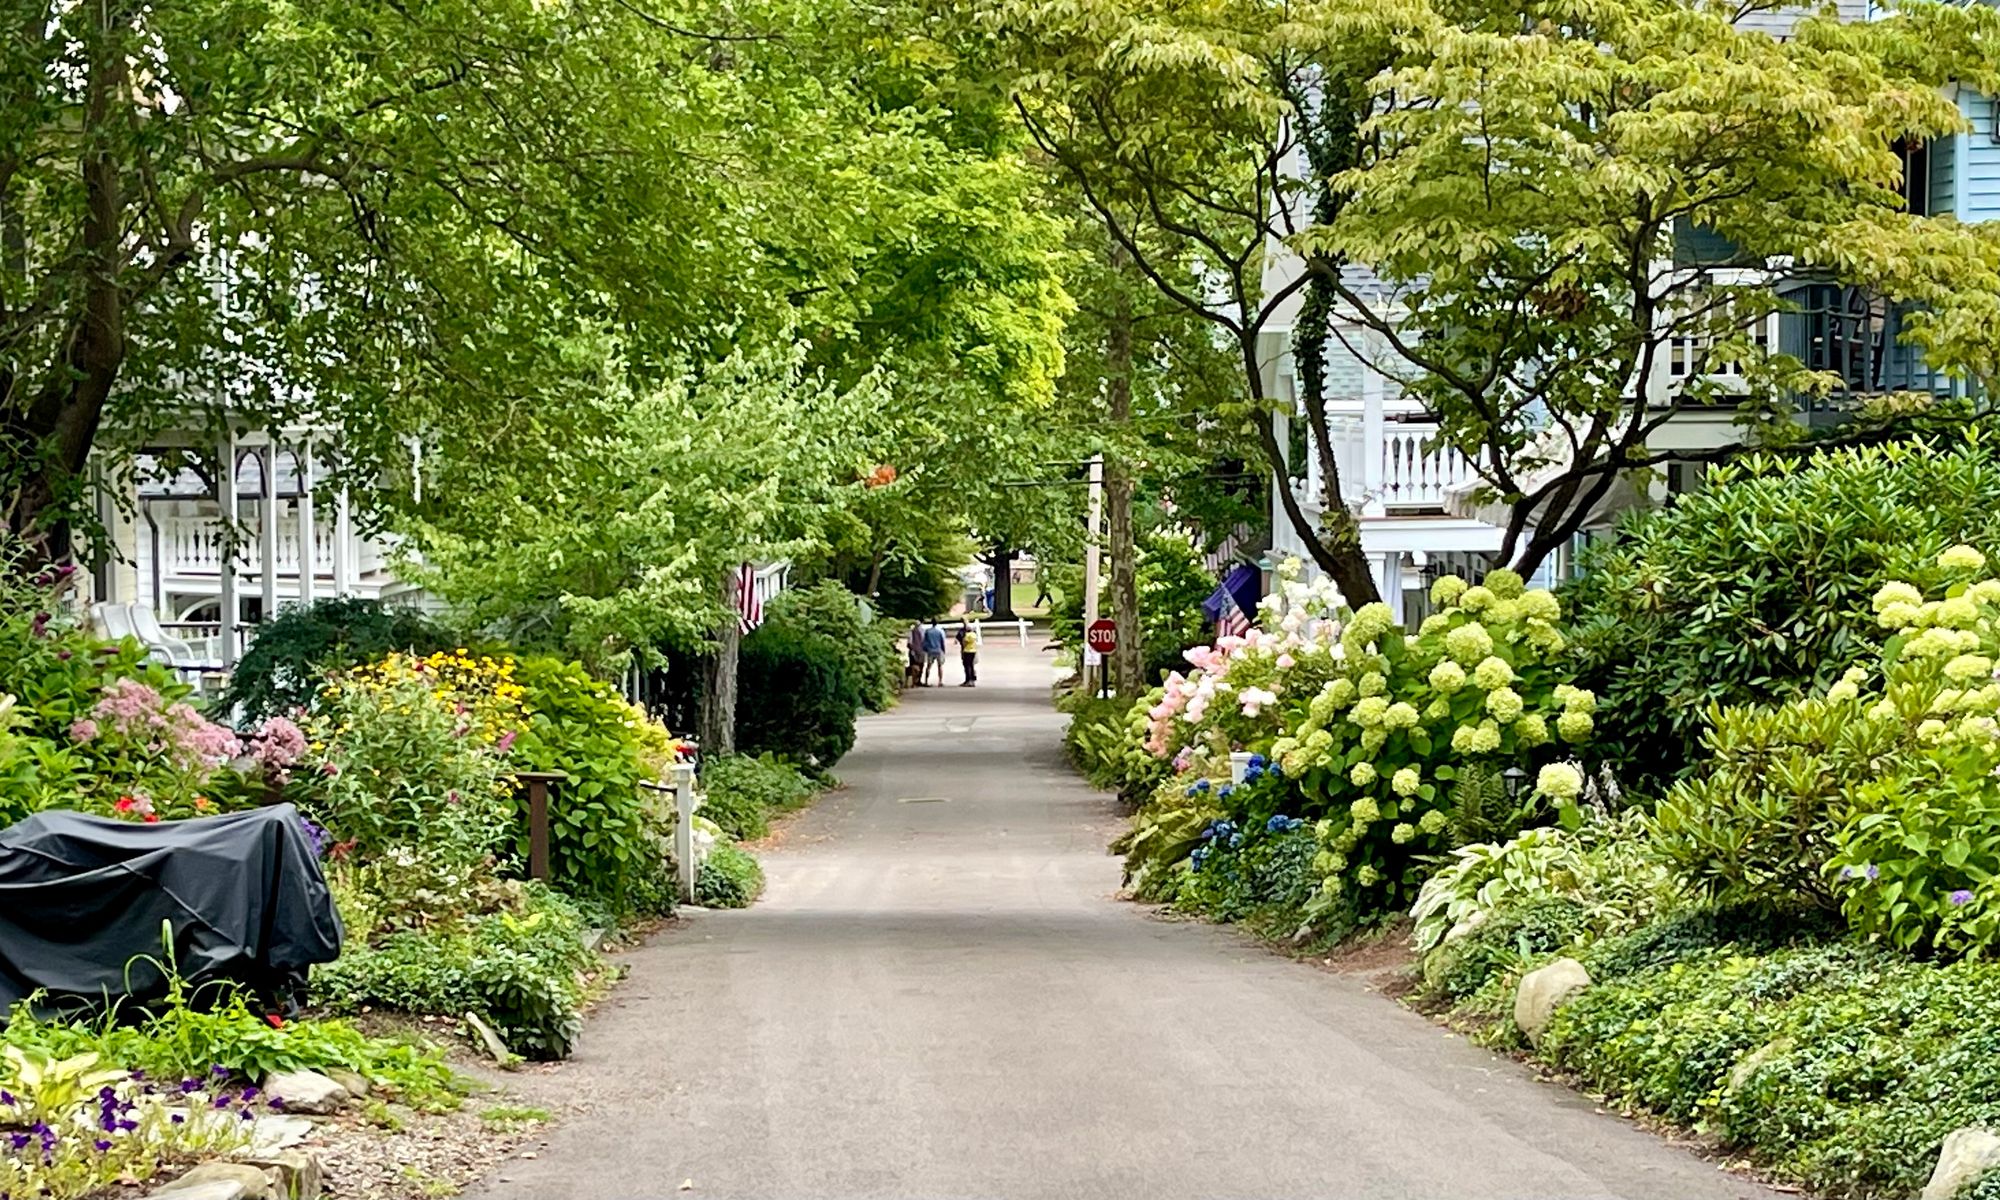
{"points": [[796, 697]]}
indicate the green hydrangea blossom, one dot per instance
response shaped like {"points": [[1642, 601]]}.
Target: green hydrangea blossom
{"points": [[1433, 822], [1574, 726], [1402, 833], [1504, 705], [1447, 676], [1365, 810], [1477, 598], [1492, 673], [1362, 774], [1446, 591], [1406, 781], [1400, 715], [1468, 644]]}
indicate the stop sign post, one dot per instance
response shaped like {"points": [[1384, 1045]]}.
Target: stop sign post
{"points": [[1102, 637]]}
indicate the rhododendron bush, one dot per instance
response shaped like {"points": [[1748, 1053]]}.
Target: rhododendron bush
{"points": [[1397, 746]]}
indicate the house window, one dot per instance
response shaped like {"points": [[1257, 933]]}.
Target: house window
{"points": [[1916, 157]]}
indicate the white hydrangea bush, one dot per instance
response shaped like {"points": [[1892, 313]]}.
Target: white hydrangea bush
{"points": [[1385, 733]]}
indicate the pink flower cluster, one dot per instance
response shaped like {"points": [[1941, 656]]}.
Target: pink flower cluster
{"points": [[277, 746], [135, 712]]}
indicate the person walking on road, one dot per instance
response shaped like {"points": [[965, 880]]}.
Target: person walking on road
{"points": [[934, 651], [913, 675], [968, 652]]}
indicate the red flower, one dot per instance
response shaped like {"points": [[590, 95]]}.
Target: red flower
{"points": [[201, 803], [152, 818], [277, 1022], [126, 804]]}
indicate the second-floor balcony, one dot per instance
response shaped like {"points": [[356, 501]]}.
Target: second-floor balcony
{"points": [[1390, 463]]}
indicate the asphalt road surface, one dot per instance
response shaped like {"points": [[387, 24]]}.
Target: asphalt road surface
{"points": [[940, 996]]}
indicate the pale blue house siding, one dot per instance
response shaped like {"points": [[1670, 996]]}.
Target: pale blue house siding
{"points": [[1976, 173], [1944, 174]]}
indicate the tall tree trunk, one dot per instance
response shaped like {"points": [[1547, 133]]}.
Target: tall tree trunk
{"points": [[717, 733], [1127, 660], [1003, 582], [60, 425]]}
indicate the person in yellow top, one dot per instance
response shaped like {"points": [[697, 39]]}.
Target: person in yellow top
{"points": [[968, 652]]}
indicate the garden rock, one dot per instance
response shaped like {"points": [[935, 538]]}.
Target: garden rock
{"points": [[489, 1038], [307, 1091], [296, 1174], [1966, 1155], [1543, 991], [214, 1189], [1747, 1065], [354, 1081], [238, 1181], [271, 1134]]}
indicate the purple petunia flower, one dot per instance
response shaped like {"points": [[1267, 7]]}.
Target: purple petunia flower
{"points": [[1960, 898], [101, 1145], [178, 1118], [6, 1097], [250, 1092], [20, 1140], [277, 1102], [189, 1086], [221, 1100], [219, 1071]]}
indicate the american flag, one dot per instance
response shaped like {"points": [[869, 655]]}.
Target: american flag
{"points": [[1232, 621], [749, 609]]}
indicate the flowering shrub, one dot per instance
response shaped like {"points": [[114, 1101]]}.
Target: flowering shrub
{"points": [[394, 759], [1878, 796], [1379, 729]]}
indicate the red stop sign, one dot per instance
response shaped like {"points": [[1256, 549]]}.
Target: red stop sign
{"points": [[1102, 636]]}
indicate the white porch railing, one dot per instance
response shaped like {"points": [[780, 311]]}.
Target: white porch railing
{"points": [[1389, 466], [192, 546]]}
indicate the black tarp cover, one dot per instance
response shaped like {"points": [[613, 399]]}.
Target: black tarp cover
{"points": [[82, 900]]}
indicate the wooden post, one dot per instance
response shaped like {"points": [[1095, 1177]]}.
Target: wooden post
{"points": [[537, 783], [684, 829]]}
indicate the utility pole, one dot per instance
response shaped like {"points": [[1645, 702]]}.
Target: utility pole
{"points": [[1093, 551]]}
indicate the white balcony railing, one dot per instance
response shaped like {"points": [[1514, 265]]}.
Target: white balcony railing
{"points": [[191, 546], [1389, 467]]}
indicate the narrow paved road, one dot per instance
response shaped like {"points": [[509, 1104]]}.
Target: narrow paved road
{"points": [[940, 997]]}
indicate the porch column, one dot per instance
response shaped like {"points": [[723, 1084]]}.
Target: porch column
{"points": [[1389, 581], [1372, 439], [308, 528], [267, 528], [343, 546], [232, 513]]}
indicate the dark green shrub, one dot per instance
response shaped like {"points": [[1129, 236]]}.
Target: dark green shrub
{"points": [[741, 793], [281, 671], [1689, 932], [1508, 941], [601, 844], [1757, 588], [1758, 826], [1837, 1065], [870, 645], [729, 878], [795, 698]]}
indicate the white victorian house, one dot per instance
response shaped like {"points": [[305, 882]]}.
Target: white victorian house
{"points": [[205, 552]]}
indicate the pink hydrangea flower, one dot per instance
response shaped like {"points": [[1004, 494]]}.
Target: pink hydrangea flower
{"points": [[82, 730]]}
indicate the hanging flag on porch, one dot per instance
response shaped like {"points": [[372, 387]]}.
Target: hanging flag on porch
{"points": [[1234, 601], [749, 608]]}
